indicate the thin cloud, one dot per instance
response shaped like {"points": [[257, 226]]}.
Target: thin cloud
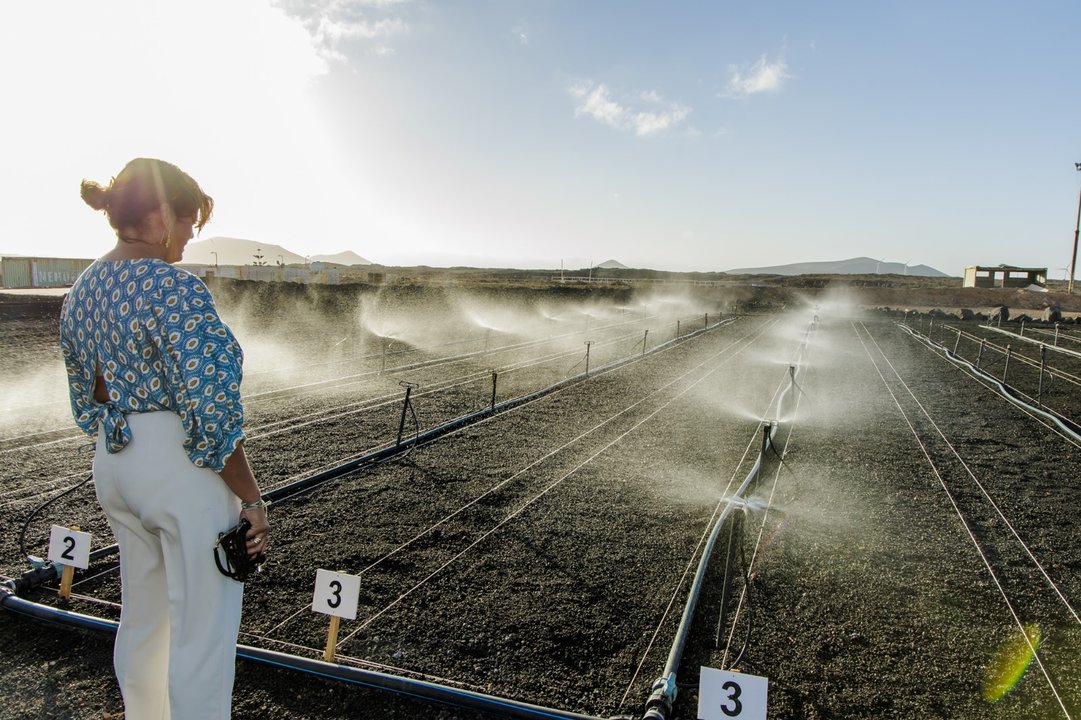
{"points": [[596, 102], [520, 34], [329, 23], [763, 76]]}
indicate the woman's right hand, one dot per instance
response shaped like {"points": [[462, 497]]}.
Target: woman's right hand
{"points": [[258, 532]]}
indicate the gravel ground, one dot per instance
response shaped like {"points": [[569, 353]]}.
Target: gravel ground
{"points": [[567, 527]]}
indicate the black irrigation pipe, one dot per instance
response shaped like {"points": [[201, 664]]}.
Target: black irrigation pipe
{"points": [[1063, 423], [369, 678], [10, 590]]}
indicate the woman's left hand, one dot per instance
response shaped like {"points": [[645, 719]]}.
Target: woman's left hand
{"points": [[259, 531]]}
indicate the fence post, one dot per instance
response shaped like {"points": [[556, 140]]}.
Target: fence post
{"points": [[677, 329], [1056, 334], [495, 376], [979, 355], [588, 344], [645, 338], [1022, 333], [957, 341], [405, 407], [1043, 369], [1006, 365], [706, 326]]}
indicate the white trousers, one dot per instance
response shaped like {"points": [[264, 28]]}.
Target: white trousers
{"points": [[175, 652]]}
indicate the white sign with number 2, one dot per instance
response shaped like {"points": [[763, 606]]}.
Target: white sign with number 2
{"points": [[69, 547], [336, 594], [723, 695]]}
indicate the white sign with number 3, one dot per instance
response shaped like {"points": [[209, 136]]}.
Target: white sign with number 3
{"points": [[69, 547], [336, 594], [723, 695]]}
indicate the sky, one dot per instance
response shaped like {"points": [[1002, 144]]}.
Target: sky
{"points": [[686, 136]]}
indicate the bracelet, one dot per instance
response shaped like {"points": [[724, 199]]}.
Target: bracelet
{"points": [[260, 503]]}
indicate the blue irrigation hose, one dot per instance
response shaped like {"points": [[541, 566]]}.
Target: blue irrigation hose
{"points": [[660, 702]]}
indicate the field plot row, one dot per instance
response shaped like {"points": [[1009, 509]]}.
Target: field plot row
{"points": [[921, 558], [1042, 363], [544, 554]]}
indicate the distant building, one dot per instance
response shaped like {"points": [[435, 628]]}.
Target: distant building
{"points": [[1004, 276], [317, 274], [36, 272]]}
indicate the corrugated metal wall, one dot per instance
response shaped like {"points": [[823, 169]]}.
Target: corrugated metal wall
{"points": [[31, 272], [28, 272], [268, 273]]}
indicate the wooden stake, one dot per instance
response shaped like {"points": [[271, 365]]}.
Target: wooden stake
{"points": [[67, 575], [332, 638]]}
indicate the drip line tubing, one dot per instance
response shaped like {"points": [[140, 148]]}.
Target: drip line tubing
{"points": [[1067, 426], [421, 689]]}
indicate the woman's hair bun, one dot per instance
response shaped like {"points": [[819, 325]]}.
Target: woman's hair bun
{"points": [[94, 194], [141, 188]]}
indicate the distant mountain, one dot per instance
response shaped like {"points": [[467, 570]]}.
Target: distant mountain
{"points": [[343, 258], [237, 251], [852, 266], [612, 265]]}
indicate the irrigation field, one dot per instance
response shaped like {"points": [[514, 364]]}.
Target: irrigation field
{"points": [[909, 547]]}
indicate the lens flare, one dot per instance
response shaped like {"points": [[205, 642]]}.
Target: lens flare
{"points": [[1010, 663]]}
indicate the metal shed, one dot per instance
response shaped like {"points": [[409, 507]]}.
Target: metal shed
{"points": [[35, 272]]}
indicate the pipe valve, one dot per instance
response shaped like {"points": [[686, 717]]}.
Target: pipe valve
{"points": [[659, 704]]}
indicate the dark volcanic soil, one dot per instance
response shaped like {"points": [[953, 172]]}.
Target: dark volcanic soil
{"points": [[544, 554]]}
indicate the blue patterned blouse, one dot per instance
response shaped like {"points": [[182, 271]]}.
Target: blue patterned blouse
{"points": [[155, 335]]}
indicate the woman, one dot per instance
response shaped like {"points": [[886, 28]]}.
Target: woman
{"points": [[155, 375]]}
